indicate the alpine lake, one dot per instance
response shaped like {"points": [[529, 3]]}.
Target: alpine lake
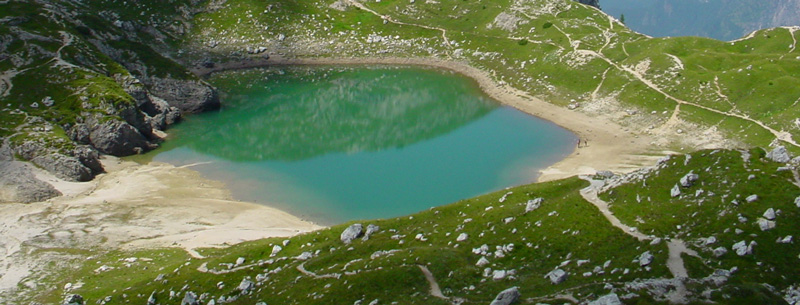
{"points": [[337, 143]]}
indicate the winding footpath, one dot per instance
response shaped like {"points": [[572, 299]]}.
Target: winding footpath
{"points": [[676, 246]]}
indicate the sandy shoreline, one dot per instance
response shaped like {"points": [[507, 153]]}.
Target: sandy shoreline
{"points": [[133, 206], [610, 147]]}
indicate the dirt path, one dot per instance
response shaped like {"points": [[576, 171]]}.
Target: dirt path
{"points": [[590, 194], [435, 291]]}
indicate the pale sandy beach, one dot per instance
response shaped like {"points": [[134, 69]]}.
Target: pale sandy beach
{"points": [[133, 206]]}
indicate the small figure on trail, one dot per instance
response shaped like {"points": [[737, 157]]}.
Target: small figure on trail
{"points": [[579, 143]]}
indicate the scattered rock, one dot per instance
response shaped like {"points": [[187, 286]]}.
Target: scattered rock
{"points": [[720, 251], [751, 198], [351, 233], [769, 214], [605, 174], [557, 276], [245, 286], [275, 250], [785, 240], [506, 297], [535, 203], [609, 299], [371, 229], [462, 237], [482, 262], [645, 258], [765, 225], [73, 299], [675, 191], [240, 261], [779, 154], [152, 299], [742, 248], [305, 256], [689, 179], [190, 299]]}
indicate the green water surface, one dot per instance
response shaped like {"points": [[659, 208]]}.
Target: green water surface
{"points": [[333, 144]]}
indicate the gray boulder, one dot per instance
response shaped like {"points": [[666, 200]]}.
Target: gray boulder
{"points": [[769, 214], [118, 138], [689, 179], [533, 204], [675, 191], [65, 167], [351, 233], [190, 96], [190, 299], [371, 229], [720, 251], [605, 174], [609, 299], [152, 299], [73, 299], [557, 276], [245, 286], [90, 158], [645, 259], [741, 248], [18, 184], [506, 297], [797, 201], [765, 225], [779, 154]]}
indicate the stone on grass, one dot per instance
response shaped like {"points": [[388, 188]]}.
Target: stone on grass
{"points": [[785, 240], [751, 198], [742, 248], [720, 251], [462, 237], [609, 299], [245, 286], [645, 259], [765, 225], [769, 214], [371, 229], [482, 262], [779, 154], [797, 201], [152, 299], [689, 179], [240, 261], [557, 276], [73, 299], [534, 204], [275, 250], [190, 299], [506, 297], [675, 191], [351, 233]]}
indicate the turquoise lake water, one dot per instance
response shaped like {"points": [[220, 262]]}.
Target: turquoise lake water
{"points": [[333, 144]]}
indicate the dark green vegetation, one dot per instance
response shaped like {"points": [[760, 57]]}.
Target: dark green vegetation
{"points": [[564, 231]]}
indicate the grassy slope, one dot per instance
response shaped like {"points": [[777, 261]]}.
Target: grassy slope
{"points": [[565, 226]]}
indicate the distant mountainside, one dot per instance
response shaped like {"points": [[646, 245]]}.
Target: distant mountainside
{"points": [[718, 19]]}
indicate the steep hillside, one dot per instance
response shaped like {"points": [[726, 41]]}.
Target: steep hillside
{"points": [[76, 81], [712, 242]]}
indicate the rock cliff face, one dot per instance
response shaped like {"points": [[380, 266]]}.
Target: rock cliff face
{"points": [[79, 81]]}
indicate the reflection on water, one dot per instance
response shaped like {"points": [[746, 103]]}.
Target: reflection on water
{"points": [[338, 144], [313, 112]]}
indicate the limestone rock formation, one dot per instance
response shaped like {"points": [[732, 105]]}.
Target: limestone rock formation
{"points": [[351, 233], [18, 184], [506, 297]]}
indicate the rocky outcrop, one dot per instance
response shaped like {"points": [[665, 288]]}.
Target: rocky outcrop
{"points": [[351, 233], [118, 138], [73, 299], [18, 184], [80, 164], [779, 154], [65, 167], [506, 297], [190, 96]]}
